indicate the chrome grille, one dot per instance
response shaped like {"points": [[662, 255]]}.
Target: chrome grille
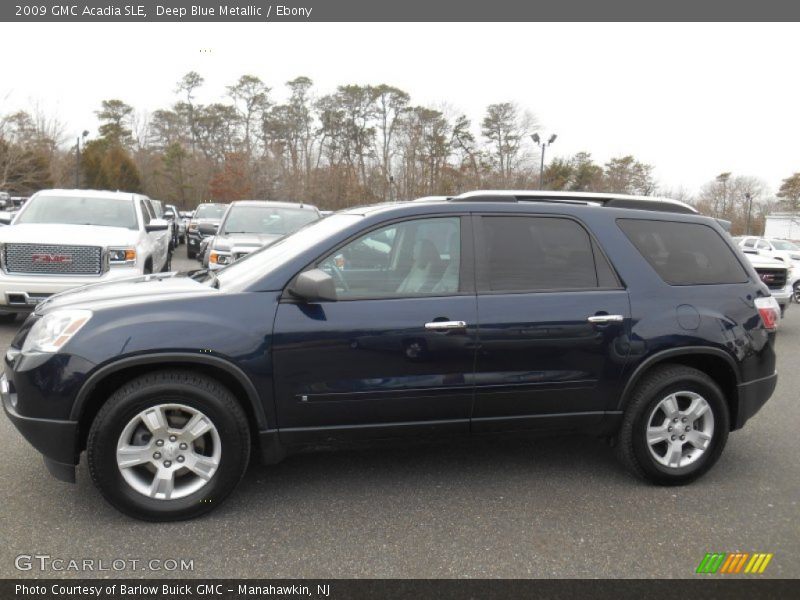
{"points": [[774, 278], [51, 259]]}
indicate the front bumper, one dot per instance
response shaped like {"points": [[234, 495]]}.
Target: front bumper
{"points": [[21, 293], [55, 439], [752, 396], [783, 296]]}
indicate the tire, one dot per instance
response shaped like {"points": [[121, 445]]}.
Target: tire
{"points": [[7, 318], [167, 264], [148, 268], [189, 254], [796, 295], [643, 412], [173, 394]]}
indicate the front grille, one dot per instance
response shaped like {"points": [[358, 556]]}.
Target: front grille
{"points": [[51, 259], [774, 278]]}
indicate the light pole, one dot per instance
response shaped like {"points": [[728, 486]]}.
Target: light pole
{"points": [[542, 145], [78, 159]]}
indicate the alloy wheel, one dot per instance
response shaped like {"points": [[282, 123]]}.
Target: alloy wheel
{"points": [[168, 451], [680, 429]]}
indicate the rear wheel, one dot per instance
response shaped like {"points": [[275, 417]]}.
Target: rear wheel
{"points": [[169, 446], [675, 426]]}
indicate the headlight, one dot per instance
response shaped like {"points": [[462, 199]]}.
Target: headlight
{"points": [[52, 331], [121, 256], [220, 259]]}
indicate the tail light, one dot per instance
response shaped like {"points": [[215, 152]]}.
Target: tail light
{"points": [[770, 312]]}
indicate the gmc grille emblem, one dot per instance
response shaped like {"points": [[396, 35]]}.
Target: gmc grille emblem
{"points": [[61, 259], [767, 278]]}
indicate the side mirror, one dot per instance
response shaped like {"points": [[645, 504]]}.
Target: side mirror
{"points": [[156, 225], [314, 286]]}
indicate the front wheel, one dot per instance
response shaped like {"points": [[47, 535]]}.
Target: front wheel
{"points": [[169, 445], [675, 426], [797, 291]]}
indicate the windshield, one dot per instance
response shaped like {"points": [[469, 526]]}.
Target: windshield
{"points": [[71, 210], [266, 219], [210, 211], [256, 264], [782, 245]]}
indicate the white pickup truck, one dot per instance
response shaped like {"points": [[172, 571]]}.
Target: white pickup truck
{"points": [[62, 239]]}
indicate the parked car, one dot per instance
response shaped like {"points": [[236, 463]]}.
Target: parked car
{"points": [[186, 216], [773, 248], [252, 224], [204, 224], [171, 215], [628, 318], [62, 239], [779, 276], [6, 216], [183, 222], [18, 201], [161, 213]]}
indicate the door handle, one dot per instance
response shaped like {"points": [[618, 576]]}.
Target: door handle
{"points": [[445, 325], [605, 319]]}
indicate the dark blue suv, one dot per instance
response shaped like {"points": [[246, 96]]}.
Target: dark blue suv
{"points": [[629, 318]]}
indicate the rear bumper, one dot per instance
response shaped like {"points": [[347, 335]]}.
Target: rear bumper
{"points": [[752, 396], [55, 439]]}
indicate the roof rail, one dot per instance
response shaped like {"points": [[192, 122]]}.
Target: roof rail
{"points": [[585, 198]]}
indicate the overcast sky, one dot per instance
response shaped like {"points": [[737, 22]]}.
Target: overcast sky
{"points": [[693, 100]]}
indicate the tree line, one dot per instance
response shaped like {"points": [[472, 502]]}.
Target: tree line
{"points": [[358, 144]]}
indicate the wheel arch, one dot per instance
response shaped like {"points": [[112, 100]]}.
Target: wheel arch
{"points": [[714, 362], [101, 384]]}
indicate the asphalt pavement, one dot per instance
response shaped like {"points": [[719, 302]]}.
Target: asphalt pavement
{"points": [[491, 507]]}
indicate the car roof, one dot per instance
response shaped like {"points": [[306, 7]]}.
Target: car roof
{"points": [[275, 203], [73, 193], [604, 198], [519, 197]]}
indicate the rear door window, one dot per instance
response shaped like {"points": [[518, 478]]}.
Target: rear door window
{"points": [[534, 254], [684, 253]]}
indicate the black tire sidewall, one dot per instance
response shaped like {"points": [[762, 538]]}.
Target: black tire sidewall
{"points": [[118, 492], [713, 395]]}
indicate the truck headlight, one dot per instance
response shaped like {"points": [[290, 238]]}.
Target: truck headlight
{"points": [[121, 256], [52, 331], [220, 259]]}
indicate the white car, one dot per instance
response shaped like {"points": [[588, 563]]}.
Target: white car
{"points": [[783, 250], [62, 239], [776, 275], [774, 248]]}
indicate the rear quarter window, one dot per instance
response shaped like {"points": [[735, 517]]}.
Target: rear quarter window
{"points": [[684, 253]]}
